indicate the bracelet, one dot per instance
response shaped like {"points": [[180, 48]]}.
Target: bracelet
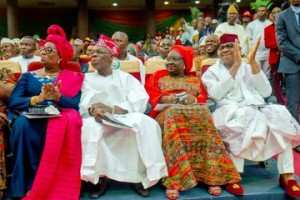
{"points": [[32, 101], [90, 110]]}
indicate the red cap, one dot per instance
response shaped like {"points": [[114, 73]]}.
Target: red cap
{"points": [[225, 38]]}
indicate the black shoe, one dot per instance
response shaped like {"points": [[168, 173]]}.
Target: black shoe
{"points": [[100, 188], [140, 190]]}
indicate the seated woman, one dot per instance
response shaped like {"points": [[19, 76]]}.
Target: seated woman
{"points": [[47, 151], [193, 149], [7, 83]]}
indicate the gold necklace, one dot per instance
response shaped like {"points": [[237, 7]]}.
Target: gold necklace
{"points": [[49, 75]]}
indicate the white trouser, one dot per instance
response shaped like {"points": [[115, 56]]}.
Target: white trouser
{"points": [[285, 161], [265, 67]]}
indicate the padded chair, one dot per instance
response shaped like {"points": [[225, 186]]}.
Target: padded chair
{"points": [[70, 65], [151, 66], [132, 67], [15, 67]]}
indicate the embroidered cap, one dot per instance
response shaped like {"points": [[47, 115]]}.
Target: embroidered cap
{"points": [[108, 43], [225, 38]]}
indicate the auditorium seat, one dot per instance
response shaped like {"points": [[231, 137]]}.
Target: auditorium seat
{"points": [[70, 65]]}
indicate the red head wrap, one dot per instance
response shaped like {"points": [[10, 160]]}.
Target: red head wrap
{"points": [[225, 38], [187, 54], [57, 36], [108, 43]]}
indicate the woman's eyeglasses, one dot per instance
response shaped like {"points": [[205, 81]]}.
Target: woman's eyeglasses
{"points": [[227, 46], [173, 59], [48, 50]]}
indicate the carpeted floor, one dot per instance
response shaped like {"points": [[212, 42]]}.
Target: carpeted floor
{"points": [[259, 184]]}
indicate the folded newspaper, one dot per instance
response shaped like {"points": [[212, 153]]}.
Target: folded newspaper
{"points": [[113, 121]]}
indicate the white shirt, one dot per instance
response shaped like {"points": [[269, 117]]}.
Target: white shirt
{"points": [[24, 62]]}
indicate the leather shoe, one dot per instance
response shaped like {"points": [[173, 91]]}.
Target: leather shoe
{"points": [[235, 188], [292, 188], [100, 188], [140, 190]]}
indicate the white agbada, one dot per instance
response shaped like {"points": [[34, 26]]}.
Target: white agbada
{"points": [[250, 128], [127, 155]]}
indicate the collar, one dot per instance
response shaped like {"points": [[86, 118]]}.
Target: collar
{"points": [[296, 9]]}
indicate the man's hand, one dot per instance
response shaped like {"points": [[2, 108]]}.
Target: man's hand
{"points": [[237, 57], [251, 57]]}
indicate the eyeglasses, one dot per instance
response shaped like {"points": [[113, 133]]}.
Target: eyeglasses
{"points": [[227, 46], [99, 52], [48, 50], [172, 59]]}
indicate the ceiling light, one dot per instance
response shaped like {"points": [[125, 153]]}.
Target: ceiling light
{"points": [[238, 1], [197, 2], [166, 3], [115, 4]]}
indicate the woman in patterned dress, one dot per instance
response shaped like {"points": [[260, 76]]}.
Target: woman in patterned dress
{"points": [[7, 83], [192, 147]]}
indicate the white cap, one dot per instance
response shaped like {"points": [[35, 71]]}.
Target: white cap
{"points": [[7, 41]]}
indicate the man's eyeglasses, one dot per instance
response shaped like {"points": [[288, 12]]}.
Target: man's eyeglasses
{"points": [[48, 50], [172, 59], [99, 52], [227, 46]]}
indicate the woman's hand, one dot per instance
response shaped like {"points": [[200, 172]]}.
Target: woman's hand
{"points": [[52, 91], [169, 99], [188, 99]]}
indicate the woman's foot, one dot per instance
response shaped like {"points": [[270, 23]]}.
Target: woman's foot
{"points": [[288, 182], [214, 190], [172, 194]]}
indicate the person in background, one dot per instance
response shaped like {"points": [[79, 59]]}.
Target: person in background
{"points": [[27, 53], [250, 128], [8, 49], [164, 48], [121, 39], [193, 149], [246, 19], [47, 151], [124, 154], [287, 30], [254, 30], [271, 43]]}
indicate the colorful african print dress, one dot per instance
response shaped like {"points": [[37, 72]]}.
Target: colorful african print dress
{"points": [[192, 147], [6, 77]]}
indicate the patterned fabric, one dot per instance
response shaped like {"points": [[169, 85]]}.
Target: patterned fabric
{"points": [[6, 77], [193, 149]]}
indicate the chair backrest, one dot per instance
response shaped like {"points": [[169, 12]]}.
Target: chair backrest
{"points": [[132, 67], [206, 63], [151, 66], [15, 67], [70, 65]]}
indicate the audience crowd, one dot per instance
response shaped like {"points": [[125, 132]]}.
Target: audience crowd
{"points": [[198, 107]]}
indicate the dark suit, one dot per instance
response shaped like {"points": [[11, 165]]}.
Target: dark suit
{"points": [[288, 34]]}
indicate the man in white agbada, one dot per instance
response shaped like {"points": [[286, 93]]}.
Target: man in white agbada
{"points": [[249, 128], [132, 155]]}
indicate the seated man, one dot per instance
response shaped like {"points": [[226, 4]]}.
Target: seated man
{"points": [[131, 155], [249, 128]]}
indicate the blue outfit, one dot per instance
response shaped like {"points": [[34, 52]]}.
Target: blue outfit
{"points": [[27, 137], [287, 34]]}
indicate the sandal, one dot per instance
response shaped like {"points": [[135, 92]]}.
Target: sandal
{"points": [[214, 190], [172, 194]]}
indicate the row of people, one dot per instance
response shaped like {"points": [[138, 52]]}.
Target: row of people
{"points": [[182, 145]]}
